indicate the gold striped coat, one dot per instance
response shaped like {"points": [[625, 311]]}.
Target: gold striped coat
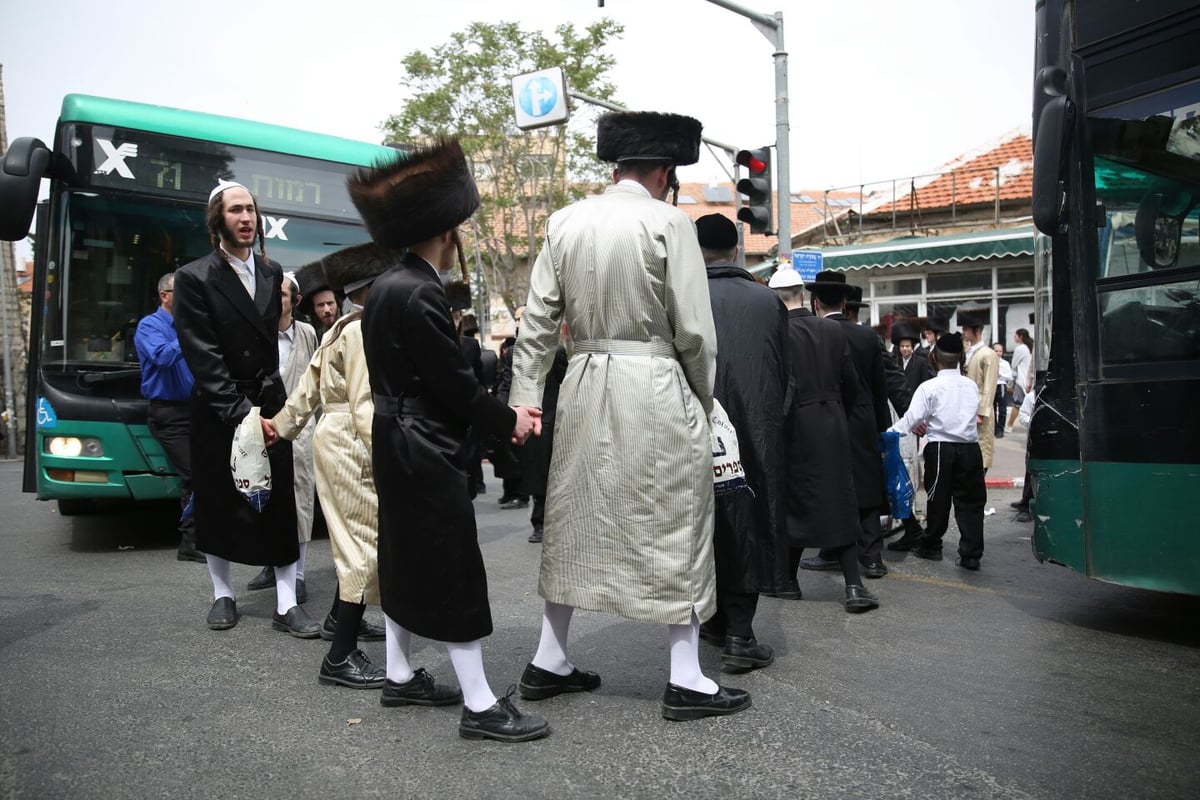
{"points": [[629, 501], [984, 368], [336, 382]]}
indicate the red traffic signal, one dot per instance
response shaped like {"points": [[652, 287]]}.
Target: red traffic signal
{"points": [[755, 161], [757, 188]]}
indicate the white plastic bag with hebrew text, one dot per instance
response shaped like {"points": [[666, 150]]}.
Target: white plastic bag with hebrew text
{"points": [[249, 463]]}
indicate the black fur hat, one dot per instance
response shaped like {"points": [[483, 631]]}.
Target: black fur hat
{"points": [[416, 195], [648, 135], [908, 328], [311, 278], [352, 267]]}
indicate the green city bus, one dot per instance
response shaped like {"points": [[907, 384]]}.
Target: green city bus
{"points": [[1114, 445], [128, 185]]}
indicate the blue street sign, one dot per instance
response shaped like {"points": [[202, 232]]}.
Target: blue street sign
{"points": [[538, 96], [807, 263]]}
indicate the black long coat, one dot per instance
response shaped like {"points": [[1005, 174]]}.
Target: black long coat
{"points": [[869, 415], [822, 509], [750, 541], [538, 449], [431, 574], [918, 370], [230, 343]]}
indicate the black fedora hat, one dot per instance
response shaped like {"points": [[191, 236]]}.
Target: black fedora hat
{"points": [[854, 297], [827, 280]]}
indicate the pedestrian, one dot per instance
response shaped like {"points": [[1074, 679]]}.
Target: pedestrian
{"points": [[167, 385], [629, 504], [917, 370], [536, 472], [468, 329], [750, 531], [325, 308], [432, 579], [227, 310], [948, 407], [509, 464], [984, 369], [297, 342], [1004, 385], [822, 506], [335, 381], [1022, 361]]}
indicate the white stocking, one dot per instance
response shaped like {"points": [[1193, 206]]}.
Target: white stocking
{"points": [[399, 646], [222, 579], [552, 649], [467, 658], [685, 658], [285, 588]]}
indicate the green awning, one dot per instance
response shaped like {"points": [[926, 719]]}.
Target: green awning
{"points": [[926, 250]]}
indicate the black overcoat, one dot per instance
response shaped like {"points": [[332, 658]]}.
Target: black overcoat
{"points": [[750, 542], [822, 509], [538, 449], [869, 415], [230, 342], [431, 573], [918, 370]]}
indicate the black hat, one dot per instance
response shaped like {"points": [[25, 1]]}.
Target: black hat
{"points": [[854, 297], [937, 324], [353, 267], [906, 329], [311, 278], [973, 318], [416, 195], [716, 232], [649, 136], [827, 279], [950, 343]]}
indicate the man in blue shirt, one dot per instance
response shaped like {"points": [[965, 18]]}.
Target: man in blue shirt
{"points": [[167, 384]]}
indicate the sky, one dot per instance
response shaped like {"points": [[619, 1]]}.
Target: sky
{"points": [[878, 89]]}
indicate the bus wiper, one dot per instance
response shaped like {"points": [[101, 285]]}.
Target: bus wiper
{"points": [[88, 378]]}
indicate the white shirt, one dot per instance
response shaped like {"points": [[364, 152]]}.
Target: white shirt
{"points": [[1006, 373], [286, 338], [948, 405], [246, 267], [972, 350]]}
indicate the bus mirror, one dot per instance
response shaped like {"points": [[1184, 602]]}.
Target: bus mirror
{"points": [[1158, 227], [1049, 153], [21, 174]]}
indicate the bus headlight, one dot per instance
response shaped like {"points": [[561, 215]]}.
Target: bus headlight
{"points": [[71, 447]]}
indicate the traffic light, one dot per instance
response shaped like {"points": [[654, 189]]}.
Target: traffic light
{"points": [[757, 189]]}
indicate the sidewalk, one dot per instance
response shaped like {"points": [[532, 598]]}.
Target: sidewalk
{"points": [[1008, 462]]}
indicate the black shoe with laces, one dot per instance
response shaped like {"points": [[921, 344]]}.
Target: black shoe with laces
{"points": [[419, 690], [503, 722], [356, 671]]}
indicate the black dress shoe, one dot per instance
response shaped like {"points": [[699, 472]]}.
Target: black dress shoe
{"points": [[712, 635], [502, 722], [367, 632], [1019, 505], [419, 690], [539, 684], [516, 502], [263, 580], [743, 655], [681, 704], [301, 591], [789, 591], [967, 562], [818, 563], [905, 543], [223, 614], [536, 536], [858, 599], [504, 498], [927, 553], [188, 552], [296, 622], [876, 569], [356, 671]]}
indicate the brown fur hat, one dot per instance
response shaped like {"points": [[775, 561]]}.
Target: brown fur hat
{"points": [[416, 195], [353, 265], [648, 135], [311, 278]]}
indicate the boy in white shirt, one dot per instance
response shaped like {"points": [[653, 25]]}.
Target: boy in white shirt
{"points": [[948, 408]]}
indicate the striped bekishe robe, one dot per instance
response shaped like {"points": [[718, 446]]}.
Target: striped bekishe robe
{"points": [[629, 500]]}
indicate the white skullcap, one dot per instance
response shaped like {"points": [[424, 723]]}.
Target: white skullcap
{"points": [[785, 277], [222, 186], [291, 276]]}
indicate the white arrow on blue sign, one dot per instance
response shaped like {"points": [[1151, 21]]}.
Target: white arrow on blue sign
{"points": [[540, 98]]}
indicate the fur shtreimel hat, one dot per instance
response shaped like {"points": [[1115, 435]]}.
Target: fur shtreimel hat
{"points": [[311, 278], [906, 329], [649, 136], [937, 324], [416, 195], [353, 267], [716, 232]]}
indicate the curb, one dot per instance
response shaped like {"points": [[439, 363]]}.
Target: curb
{"points": [[1005, 483]]}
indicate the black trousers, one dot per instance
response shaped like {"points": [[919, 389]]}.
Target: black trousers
{"points": [[870, 536], [170, 425], [735, 605], [954, 474], [537, 517]]}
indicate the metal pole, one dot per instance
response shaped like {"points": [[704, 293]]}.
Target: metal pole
{"points": [[10, 413]]}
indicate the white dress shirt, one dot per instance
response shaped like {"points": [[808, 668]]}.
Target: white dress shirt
{"points": [[245, 269], [947, 404], [285, 345]]}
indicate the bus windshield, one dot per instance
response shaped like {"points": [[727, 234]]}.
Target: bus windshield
{"points": [[102, 277]]}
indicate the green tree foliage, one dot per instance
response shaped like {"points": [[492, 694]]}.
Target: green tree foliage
{"points": [[464, 88]]}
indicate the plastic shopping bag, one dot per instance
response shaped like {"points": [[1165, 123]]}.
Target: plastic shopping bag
{"points": [[899, 487], [728, 473], [249, 463]]}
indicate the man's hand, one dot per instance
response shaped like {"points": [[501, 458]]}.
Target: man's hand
{"points": [[980, 419], [270, 435], [529, 423], [920, 428]]}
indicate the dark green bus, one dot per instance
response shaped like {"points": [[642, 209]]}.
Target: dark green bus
{"points": [[1114, 445]]}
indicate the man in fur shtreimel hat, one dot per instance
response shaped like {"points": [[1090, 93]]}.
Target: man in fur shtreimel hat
{"points": [[431, 573]]}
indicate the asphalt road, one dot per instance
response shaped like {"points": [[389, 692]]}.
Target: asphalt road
{"points": [[1022, 680]]}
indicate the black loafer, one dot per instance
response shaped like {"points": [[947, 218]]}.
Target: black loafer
{"points": [[858, 599], [876, 569], [743, 655], [356, 671], [967, 562], [1019, 505], [536, 536], [516, 502], [502, 722], [367, 632], [681, 704], [539, 684], [789, 591], [301, 591], [818, 563], [928, 553], [223, 614], [419, 690], [296, 622], [263, 580]]}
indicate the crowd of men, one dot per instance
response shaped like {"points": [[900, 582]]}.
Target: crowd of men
{"points": [[638, 323]]}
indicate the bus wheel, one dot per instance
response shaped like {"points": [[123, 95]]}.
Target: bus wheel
{"points": [[71, 508]]}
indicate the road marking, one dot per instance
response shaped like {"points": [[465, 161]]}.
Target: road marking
{"points": [[950, 584]]}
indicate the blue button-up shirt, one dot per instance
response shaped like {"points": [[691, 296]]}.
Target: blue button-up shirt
{"points": [[165, 375]]}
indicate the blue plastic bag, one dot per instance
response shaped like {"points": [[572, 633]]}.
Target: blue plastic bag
{"points": [[895, 473]]}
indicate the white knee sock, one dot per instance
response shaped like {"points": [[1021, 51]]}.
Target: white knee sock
{"points": [[285, 588], [685, 658], [552, 649], [300, 563], [399, 646], [222, 578], [467, 658]]}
